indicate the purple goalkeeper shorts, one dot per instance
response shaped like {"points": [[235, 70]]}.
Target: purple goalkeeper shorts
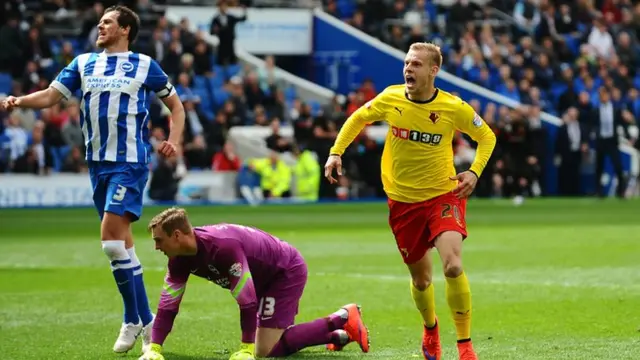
{"points": [[278, 305]]}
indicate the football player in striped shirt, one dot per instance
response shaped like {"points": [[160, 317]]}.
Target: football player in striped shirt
{"points": [[116, 87]]}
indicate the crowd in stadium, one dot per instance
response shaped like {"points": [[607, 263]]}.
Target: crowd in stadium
{"points": [[576, 60], [572, 59]]}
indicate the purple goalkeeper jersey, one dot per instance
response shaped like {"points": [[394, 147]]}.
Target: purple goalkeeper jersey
{"points": [[236, 257]]}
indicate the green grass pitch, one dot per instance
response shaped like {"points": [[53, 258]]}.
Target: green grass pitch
{"points": [[552, 279]]}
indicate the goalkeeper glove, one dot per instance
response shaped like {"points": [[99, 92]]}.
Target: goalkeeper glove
{"points": [[154, 353], [245, 353]]}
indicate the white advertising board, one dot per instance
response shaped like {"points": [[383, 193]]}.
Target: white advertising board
{"points": [[266, 31], [58, 190]]}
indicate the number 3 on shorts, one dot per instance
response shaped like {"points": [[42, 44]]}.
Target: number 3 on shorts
{"points": [[120, 193], [267, 306]]}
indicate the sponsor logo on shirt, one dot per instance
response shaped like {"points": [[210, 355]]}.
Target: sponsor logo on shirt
{"points": [[416, 136], [235, 269]]}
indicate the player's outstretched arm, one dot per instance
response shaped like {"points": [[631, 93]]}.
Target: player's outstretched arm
{"points": [[66, 83], [37, 100]]}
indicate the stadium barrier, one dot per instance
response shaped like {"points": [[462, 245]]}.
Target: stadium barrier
{"points": [[74, 190], [346, 55], [286, 30]]}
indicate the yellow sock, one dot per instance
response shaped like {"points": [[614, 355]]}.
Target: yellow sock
{"points": [[426, 303], [458, 295]]}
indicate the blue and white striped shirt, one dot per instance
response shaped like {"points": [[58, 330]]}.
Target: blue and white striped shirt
{"points": [[114, 113]]}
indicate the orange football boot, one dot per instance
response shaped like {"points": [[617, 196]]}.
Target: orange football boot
{"points": [[466, 351], [431, 349], [355, 327], [334, 347]]}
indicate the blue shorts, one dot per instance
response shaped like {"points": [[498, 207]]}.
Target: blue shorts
{"points": [[118, 187]]}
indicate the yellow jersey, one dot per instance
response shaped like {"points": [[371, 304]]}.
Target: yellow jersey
{"points": [[417, 160]]}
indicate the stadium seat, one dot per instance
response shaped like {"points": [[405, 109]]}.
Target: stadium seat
{"points": [[199, 81], [346, 8], [315, 108], [59, 155], [220, 96], [233, 70], [290, 93], [5, 83], [217, 80], [206, 103]]}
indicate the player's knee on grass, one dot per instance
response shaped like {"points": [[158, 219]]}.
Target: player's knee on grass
{"points": [[266, 339], [449, 245]]}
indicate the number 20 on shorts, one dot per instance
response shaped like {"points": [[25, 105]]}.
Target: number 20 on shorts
{"points": [[446, 211]]}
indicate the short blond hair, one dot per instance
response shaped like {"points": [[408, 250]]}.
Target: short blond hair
{"points": [[170, 220], [433, 51]]}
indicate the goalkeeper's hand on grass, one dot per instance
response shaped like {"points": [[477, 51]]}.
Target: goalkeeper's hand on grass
{"points": [[245, 353], [154, 353]]}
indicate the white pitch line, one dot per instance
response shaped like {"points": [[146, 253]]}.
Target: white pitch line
{"points": [[492, 278], [480, 279]]}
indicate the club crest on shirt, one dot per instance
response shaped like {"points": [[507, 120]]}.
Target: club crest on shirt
{"points": [[235, 270], [477, 120], [126, 66], [434, 117]]}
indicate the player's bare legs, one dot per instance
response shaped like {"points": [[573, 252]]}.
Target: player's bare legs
{"points": [[116, 236], [422, 292], [340, 328], [458, 292], [266, 339]]}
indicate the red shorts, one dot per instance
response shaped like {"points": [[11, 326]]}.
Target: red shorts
{"points": [[416, 225]]}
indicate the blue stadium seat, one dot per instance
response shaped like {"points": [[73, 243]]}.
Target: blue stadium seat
{"points": [[220, 96], [199, 82], [206, 103], [5, 83], [290, 93], [59, 155], [217, 81], [218, 70], [233, 70], [315, 108], [346, 8]]}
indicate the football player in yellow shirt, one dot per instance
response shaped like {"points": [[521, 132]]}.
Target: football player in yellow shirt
{"points": [[427, 199]]}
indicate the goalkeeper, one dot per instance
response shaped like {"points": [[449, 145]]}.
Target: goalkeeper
{"points": [[265, 275]]}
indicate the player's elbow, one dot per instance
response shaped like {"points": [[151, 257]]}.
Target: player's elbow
{"points": [[174, 105], [52, 96], [489, 138]]}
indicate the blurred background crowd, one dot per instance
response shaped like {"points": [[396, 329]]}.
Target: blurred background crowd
{"points": [[577, 60]]}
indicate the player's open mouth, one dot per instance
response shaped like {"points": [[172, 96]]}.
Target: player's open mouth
{"points": [[409, 80]]}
